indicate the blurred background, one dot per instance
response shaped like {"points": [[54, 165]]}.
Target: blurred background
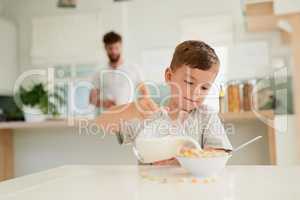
{"points": [[257, 42]]}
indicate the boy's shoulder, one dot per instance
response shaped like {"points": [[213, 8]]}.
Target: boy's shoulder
{"points": [[205, 110]]}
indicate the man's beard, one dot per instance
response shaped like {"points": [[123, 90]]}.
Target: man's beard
{"points": [[114, 59]]}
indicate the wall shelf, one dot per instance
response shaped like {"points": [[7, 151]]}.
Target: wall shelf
{"points": [[249, 115], [228, 116], [24, 125]]}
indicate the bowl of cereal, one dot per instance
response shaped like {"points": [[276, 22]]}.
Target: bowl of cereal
{"points": [[207, 162], [203, 163]]}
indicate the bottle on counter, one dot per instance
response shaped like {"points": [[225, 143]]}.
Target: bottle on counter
{"points": [[248, 98], [234, 98]]}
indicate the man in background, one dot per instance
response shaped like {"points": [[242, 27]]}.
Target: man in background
{"points": [[116, 82]]}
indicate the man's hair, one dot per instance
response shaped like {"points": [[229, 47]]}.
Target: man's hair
{"points": [[111, 38], [195, 54]]}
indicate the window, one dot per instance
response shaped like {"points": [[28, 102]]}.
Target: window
{"points": [[76, 82]]}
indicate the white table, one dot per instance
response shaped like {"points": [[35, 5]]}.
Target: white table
{"points": [[145, 182]]}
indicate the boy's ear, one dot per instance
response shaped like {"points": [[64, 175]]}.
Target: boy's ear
{"points": [[168, 74]]}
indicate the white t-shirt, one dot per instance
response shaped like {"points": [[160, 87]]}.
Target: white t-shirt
{"points": [[202, 124], [118, 84]]}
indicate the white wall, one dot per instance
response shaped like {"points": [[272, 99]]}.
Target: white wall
{"points": [[8, 53], [287, 140], [8, 56], [41, 149], [24, 11], [145, 25], [1, 7]]}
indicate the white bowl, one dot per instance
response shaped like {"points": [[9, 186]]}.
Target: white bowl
{"points": [[204, 167], [156, 149]]}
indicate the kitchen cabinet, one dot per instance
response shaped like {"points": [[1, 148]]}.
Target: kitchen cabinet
{"points": [[265, 117], [287, 147], [281, 7], [284, 7]]}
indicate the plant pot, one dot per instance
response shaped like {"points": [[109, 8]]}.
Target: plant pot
{"points": [[33, 114]]}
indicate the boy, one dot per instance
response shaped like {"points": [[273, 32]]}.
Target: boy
{"points": [[191, 74]]}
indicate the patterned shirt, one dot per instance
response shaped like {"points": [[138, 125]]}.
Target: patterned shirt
{"points": [[201, 124]]}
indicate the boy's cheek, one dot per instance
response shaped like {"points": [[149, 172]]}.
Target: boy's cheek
{"points": [[176, 91], [199, 103], [200, 97]]}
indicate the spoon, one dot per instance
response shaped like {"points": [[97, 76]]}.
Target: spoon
{"points": [[245, 144]]}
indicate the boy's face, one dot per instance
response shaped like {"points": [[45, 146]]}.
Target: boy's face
{"points": [[189, 86]]}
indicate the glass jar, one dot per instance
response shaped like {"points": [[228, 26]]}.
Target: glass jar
{"points": [[234, 98], [248, 87]]}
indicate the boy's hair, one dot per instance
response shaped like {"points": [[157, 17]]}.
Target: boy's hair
{"points": [[111, 38], [195, 54]]}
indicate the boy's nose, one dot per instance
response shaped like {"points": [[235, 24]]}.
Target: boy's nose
{"points": [[195, 96]]}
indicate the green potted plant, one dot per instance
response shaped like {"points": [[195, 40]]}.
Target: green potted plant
{"points": [[37, 103]]}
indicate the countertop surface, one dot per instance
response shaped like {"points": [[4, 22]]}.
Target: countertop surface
{"points": [[151, 183]]}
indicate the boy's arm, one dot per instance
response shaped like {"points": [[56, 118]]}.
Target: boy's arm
{"points": [[215, 136], [143, 90], [113, 118]]}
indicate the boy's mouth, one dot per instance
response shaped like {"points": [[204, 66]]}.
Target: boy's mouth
{"points": [[188, 111], [193, 105], [191, 100]]}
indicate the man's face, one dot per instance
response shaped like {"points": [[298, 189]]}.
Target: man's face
{"points": [[189, 86], [114, 51]]}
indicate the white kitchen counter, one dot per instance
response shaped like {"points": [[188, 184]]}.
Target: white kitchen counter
{"points": [[148, 182]]}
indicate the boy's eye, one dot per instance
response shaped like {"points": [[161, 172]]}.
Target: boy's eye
{"points": [[188, 82], [204, 88]]}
